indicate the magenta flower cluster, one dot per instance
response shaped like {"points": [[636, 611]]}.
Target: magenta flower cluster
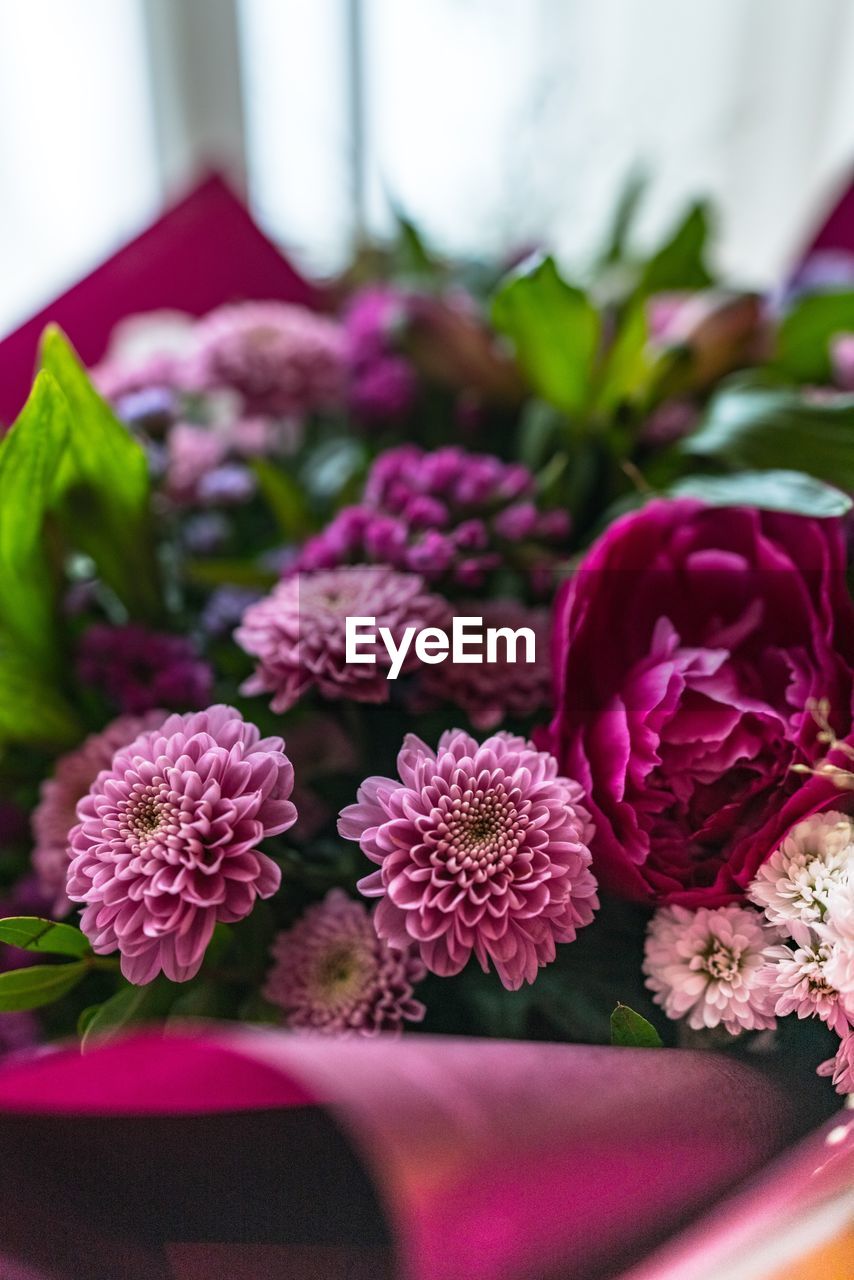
{"points": [[383, 383], [138, 669], [481, 849], [167, 839], [449, 515]]}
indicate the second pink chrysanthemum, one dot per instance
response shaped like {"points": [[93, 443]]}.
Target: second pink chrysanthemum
{"points": [[481, 849]]}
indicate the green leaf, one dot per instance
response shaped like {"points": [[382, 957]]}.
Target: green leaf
{"points": [[630, 1030], [803, 339], [629, 365], [101, 1021], [769, 490], [103, 486], [616, 244], [285, 497], [759, 427], [31, 708], [31, 933], [39, 985], [680, 262], [30, 456], [555, 330]]}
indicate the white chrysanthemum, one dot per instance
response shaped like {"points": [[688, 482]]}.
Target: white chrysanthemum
{"points": [[797, 978], [707, 966], [793, 885], [838, 929]]}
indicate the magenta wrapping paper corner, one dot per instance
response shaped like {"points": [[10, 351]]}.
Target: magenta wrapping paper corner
{"points": [[493, 1160], [204, 251]]}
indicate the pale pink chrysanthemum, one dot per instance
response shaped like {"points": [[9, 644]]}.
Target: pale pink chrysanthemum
{"points": [[281, 359], [167, 840], [707, 966], [489, 692], [333, 973], [482, 849], [297, 633], [841, 1067], [797, 978], [838, 929], [56, 812], [792, 886]]}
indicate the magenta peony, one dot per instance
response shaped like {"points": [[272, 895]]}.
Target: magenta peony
{"points": [[166, 842], [73, 775], [687, 648], [482, 849], [298, 632], [332, 973], [281, 359]]}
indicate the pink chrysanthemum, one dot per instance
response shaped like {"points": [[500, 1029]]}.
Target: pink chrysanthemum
{"points": [[56, 812], [333, 973], [482, 850], [838, 930], [489, 692], [841, 1067], [281, 359], [167, 839], [297, 633], [797, 978], [793, 885], [707, 966]]}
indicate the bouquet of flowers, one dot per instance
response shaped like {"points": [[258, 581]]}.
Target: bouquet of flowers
{"points": [[476, 656]]}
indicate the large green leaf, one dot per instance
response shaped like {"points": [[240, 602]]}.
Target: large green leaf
{"points": [[803, 339], [769, 490], [103, 486], [38, 985], [32, 933], [555, 330], [32, 708], [630, 1030], [30, 455], [680, 262], [759, 427]]}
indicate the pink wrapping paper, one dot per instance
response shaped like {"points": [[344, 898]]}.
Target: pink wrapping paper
{"points": [[204, 251], [426, 1159]]}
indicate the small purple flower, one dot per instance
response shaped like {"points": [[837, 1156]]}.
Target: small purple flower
{"points": [[282, 360], [167, 840], [333, 974], [445, 514], [298, 632], [225, 608], [482, 850], [138, 669], [56, 812]]}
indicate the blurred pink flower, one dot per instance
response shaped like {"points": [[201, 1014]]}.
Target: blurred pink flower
{"points": [[708, 966], [298, 632], [841, 1067], [489, 692], [56, 812], [842, 360], [482, 849], [166, 842], [281, 359], [333, 974]]}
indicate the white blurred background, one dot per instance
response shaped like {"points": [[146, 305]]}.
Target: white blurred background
{"points": [[492, 123]]}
